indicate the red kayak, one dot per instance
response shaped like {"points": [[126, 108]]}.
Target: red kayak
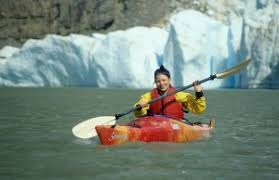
{"points": [[152, 129]]}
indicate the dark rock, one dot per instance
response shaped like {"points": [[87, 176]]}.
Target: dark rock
{"points": [[24, 19]]}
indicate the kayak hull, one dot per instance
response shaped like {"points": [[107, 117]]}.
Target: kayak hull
{"points": [[152, 129]]}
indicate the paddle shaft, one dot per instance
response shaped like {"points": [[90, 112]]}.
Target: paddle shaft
{"points": [[211, 77]]}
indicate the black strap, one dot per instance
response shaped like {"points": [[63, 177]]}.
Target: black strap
{"points": [[199, 94]]}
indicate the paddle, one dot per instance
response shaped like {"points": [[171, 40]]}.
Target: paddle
{"points": [[86, 129]]}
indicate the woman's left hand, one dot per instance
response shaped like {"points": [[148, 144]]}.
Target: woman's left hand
{"points": [[197, 86]]}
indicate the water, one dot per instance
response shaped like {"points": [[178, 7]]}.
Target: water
{"points": [[37, 143]]}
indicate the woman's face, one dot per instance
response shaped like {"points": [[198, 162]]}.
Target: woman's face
{"points": [[163, 82]]}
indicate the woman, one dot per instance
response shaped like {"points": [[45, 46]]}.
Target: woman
{"points": [[170, 106]]}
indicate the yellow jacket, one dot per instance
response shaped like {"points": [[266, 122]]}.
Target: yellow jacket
{"points": [[194, 105]]}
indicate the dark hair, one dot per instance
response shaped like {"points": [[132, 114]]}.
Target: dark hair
{"points": [[162, 70]]}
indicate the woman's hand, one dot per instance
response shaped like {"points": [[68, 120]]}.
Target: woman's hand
{"points": [[197, 86], [141, 105]]}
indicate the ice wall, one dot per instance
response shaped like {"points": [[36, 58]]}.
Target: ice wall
{"points": [[120, 59], [128, 58], [192, 46], [53, 61]]}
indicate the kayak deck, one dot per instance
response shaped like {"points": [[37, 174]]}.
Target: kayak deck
{"points": [[152, 129]]}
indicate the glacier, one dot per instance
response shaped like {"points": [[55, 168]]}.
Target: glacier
{"points": [[7, 52], [190, 52], [128, 58], [193, 45], [119, 59]]}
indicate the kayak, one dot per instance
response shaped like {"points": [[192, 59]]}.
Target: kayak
{"points": [[152, 129]]}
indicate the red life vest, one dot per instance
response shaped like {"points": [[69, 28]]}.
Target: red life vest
{"points": [[167, 106]]}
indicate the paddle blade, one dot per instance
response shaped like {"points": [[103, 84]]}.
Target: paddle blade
{"points": [[86, 129], [233, 70]]}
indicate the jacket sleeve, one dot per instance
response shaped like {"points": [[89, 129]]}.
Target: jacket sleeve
{"points": [[144, 99], [193, 104]]}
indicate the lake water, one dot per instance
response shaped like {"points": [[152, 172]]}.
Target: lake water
{"points": [[37, 143]]}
